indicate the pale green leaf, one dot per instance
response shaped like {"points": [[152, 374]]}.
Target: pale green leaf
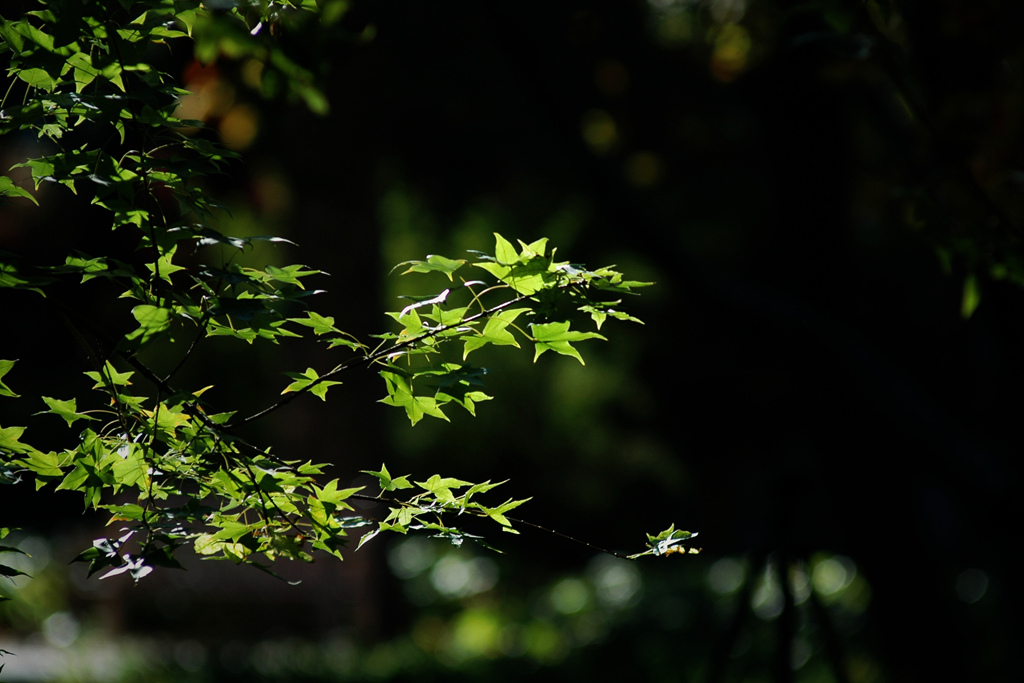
{"points": [[504, 252]]}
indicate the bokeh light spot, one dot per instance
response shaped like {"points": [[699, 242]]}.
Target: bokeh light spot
{"points": [[411, 557], [832, 575], [616, 583], [611, 77], [252, 73], [570, 596], [643, 169], [731, 51], [239, 126], [457, 576], [61, 629], [599, 130], [971, 585], [767, 601], [726, 575]]}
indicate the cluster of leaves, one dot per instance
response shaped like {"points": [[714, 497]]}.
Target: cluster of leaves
{"points": [[534, 294], [170, 469]]}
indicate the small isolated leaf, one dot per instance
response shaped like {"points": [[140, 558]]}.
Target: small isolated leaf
{"points": [[304, 381], [434, 263], [320, 324], [669, 542], [110, 375], [66, 409], [5, 367]]}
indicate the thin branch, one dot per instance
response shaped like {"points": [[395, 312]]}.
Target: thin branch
{"points": [[482, 514]]}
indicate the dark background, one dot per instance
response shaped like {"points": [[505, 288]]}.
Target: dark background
{"points": [[810, 185]]}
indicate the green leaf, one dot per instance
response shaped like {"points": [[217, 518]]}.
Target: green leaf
{"points": [[10, 276], [110, 375], [66, 409], [209, 545], [434, 263], [557, 337], [386, 482], [43, 464], [600, 312], [478, 488], [498, 513], [441, 487], [9, 441], [307, 378], [5, 367], [400, 394], [504, 252], [331, 494], [131, 470], [494, 331], [320, 324], [153, 321], [163, 266], [537, 248], [37, 78], [9, 189]]}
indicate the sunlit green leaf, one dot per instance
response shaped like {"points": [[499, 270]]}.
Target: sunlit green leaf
{"points": [[8, 188], [386, 482], [109, 375], [434, 263], [153, 322], [5, 367], [556, 337], [311, 380], [65, 409], [495, 331]]}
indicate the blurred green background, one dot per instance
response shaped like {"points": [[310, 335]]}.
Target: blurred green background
{"points": [[821, 190]]}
